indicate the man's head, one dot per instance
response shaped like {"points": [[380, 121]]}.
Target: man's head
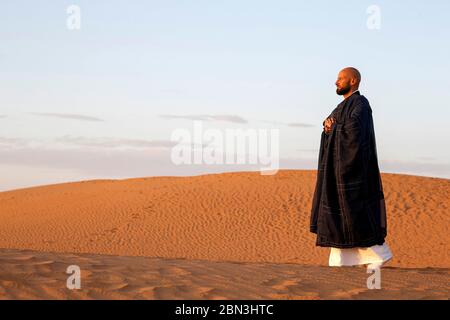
{"points": [[348, 81]]}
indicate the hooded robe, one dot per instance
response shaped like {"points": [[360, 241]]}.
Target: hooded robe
{"points": [[348, 207]]}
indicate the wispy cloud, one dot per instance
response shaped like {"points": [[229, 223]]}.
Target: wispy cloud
{"points": [[67, 116], [207, 117], [105, 142]]}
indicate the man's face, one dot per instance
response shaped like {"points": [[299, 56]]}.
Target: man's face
{"points": [[343, 84]]}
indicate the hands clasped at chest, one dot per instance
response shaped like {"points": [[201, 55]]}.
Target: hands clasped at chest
{"points": [[328, 124]]}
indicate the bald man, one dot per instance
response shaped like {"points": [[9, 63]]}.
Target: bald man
{"points": [[348, 212]]}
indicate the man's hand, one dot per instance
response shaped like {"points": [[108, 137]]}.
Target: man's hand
{"points": [[328, 125]]}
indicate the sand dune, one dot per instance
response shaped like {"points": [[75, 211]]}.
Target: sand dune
{"points": [[240, 217], [243, 217]]}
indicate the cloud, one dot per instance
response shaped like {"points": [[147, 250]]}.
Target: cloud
{"points": [[206, 117], [104, 142], [2, 116], [67, 116]]}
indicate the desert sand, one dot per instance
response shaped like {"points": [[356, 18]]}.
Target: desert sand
{"points": [[218, 236]]}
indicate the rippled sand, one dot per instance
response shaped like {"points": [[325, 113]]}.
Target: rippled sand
{"points": [[230, 235]]}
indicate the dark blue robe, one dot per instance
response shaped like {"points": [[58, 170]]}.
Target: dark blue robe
{"points": [[348, 208]]}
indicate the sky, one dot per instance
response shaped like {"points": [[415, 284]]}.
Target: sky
{"points": [[103, 101]]}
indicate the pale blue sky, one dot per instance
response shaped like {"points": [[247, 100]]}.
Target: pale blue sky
{"points": [[133, 61]]}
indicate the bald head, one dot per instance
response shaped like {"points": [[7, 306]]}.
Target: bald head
{"points": [[352, 73], [348, 81]]}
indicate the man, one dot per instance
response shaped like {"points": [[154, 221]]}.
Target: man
{"points": [[348, 211]]}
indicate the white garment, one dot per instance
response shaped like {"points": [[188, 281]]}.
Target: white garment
{"points": [[373, 256]]}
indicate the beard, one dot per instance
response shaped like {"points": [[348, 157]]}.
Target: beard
{"points": [[343, 90]]}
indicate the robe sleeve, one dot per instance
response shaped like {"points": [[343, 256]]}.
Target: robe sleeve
{"points": [[353, 151]]}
